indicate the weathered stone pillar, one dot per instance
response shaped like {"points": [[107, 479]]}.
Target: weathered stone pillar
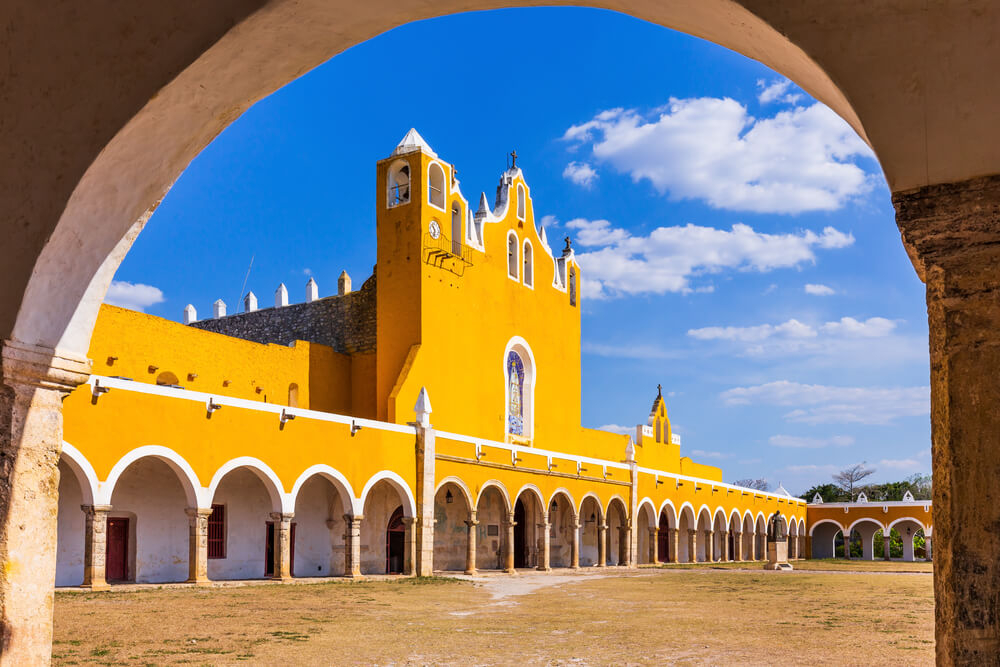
{"points": [[602, 545], [625, 546], [575, 545], [654, 545], [470, 551], [927, 546], [198, 544], [674, 536], [809, 546], [792, 542], [847, 546], [509, 545], [95, 546], [692, 545], [35, 381], [952, 235], [423, 544], [352, 545], [709, 545], [410, 546], [886, 540], [283, 545], [724, 552], [737, 546], [544, 562]]}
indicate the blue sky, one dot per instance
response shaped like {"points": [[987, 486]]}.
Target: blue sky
{"points": [[737, 238]]}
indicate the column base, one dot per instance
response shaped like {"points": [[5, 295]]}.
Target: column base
{"points": [[543, 569], [96, 587], [511, 571], [472, 573], [356, 576], [199, 582]]}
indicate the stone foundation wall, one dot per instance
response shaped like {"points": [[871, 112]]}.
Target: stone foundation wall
{"points": [[345, 323]]}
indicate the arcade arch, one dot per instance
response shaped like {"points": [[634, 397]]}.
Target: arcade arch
{"points": [[617, 532], [494, 513], [453, 521], [592, 529]]}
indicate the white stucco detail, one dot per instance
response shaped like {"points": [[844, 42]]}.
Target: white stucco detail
{"points": [[397, 482], [280, 501], [69, 528], [248, 502], [185, 473]]}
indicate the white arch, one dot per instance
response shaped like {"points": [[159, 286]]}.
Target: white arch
{"points": [[462, 487], [565, 492], [611, 501], [280, 501], [812, 529], [863, 519], [908, 518], [519, 345], [498, 485], [82, 470], [528, 264], [747, 514], [802, 526], [185, 473], [537, 493], [514, 263], [707, 510], [597, 501], [522, 203], [654, 518], [715, 517], [398, 483], [761, 520], [735, 514], [680, 513], [673, 511], [444, 191], [333, 476]]}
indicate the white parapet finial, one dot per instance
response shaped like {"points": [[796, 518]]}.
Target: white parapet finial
{"points": [[312, 291], [281, 296], [219, 309], [630, 450], [250, 302], [190, 314], [818, 499], [423, 408], [343, 284]]}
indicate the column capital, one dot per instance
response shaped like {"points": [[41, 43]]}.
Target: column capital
{"points": [[28, 365], [283, 517], [91, 510], [354, 518], [195, 512], [471, 523], [408, 520]]}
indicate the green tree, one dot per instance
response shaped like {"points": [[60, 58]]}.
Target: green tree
{"points": [[830, 493]]}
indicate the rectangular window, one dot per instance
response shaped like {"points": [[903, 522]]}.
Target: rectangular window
{"points": [[217, 532]]}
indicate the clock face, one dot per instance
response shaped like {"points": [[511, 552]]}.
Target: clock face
{"points": [[434, 229]]}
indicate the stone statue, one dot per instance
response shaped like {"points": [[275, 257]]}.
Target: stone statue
{"points": [[774, 531]]}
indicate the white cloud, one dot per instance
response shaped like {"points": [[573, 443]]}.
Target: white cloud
{"points": [[617, 428], [134, 296], [709, 455], [666, 259], [873, 327], [905, 464], [629, 351], [307, 271], [798, 442], [792, 329], [580, 173], [801, 159], [775, 91], [823, 404], [549, 221], [819, 290]]}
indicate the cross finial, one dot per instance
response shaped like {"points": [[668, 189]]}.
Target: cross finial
{"points": [[568, 244], [659, 391], [513, 157]]}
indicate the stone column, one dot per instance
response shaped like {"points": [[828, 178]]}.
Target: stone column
{"points": [[35, 381], [410, 547], [886, 539], [352, 546], [198, 544], [575, 545], [792, 540], [809, 546], [283, 545], [423, 543], [602, 545], [724, 552], [470, 551], [709, 545], [654, 545], [509, 545], [674, 536], [927, 546], [544, 562], [737, 546], [952, 234], [95, 546], [625, 546], [692, 545], [847, 546]]}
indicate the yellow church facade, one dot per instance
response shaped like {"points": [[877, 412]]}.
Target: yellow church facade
{"points": [[428, 421]]}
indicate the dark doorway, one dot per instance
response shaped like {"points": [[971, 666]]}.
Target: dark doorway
{"points": [[395, 543], [663, 540], [116, 555], [272, 543], [520, 544]]}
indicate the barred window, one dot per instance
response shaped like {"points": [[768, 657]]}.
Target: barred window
{"points": [[217, 532]]}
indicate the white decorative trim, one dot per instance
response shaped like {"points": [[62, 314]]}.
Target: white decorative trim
{"points": [[525, 246], [617, 497], [517, 256], [444, 185], [397, 482], [563, 492], [193, 490], [890, 503], [708, 510], [82, 470], [654, 518], [333, 476], [498, 485], [863, 519], [280, 501], [597, 501], [461, 485], [673, 511], [538, 496], [908, 518], [680, 513], [530, 380], [521, 210], [812, 529]]}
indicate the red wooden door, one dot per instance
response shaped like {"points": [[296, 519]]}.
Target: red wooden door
{"points": [[395, 543], [116, 556]]}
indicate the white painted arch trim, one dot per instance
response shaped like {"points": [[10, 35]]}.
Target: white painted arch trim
{"points": [[498, 485], [332, 475], [461, 486], [280, 501], [597, 501], [705, 509], [562, 491], [444, 185], [672, 515], [748, 516], [915, 520], [654, 518], [193, 491], [720, 510], [692, 516], [82, 470], [761, 521], [616, 499], [539, 496], [850, 529], [530, 380], [812, 529], [398, 483], [735, 518]]}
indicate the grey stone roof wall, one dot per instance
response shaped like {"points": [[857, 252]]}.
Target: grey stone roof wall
{"points": [[345, 323]]}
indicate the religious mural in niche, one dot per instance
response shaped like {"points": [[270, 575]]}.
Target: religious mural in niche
{"points": [[515, 394]]}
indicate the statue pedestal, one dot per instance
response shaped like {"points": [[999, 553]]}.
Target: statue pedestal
{"points": [[777, 556]]}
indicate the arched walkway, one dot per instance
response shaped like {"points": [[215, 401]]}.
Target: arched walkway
{"points": [[452, 516], [563, 531], [591, 532], [617, 534], [749, 538], [322, 516], [704, 537], [865, 530], [646, 534], [246, 505], [70, 528], [494, 513], [760, 547], [823, 536], [720, 539], [687, 547], [386, 529], [529, 527], [668, 541]]}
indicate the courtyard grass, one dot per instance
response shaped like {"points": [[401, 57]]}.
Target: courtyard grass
{"points": [[699, 616]]}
